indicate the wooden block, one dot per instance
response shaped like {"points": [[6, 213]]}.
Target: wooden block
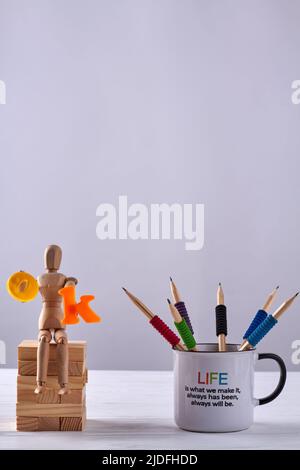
{"points": [[28, 382], [50, 397], [48, 424], [75, 397], [27, 351], [31, 424], [29, 368], [27, 423], [49, 410], [73, 423]]}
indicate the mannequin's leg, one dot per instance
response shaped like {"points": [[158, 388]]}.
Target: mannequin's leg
{"points": [[62, 357], [44, 339]]}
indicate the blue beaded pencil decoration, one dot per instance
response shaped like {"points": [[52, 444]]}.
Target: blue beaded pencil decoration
{"points": [[260, 316], [180, 305], [267, 324]]}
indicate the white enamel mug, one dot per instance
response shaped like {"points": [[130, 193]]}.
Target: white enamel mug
{"points": [[214, 391]]}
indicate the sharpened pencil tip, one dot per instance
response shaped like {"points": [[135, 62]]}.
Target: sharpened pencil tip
{"points": [[125, 290], [171, 279], [169, 301], [220, 284], [277, 287], [296, 294]]}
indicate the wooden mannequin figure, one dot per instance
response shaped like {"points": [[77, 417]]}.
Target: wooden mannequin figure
{"points": [[50, 320]]}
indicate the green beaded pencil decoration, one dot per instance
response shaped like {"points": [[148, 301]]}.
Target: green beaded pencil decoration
{"points": [[182, 328]]}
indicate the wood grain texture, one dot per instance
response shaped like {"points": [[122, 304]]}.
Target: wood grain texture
{"points": [[75, 397], [49, 410], [32, 424], [28, 396], [28, 382], [72, 423], [27, 351], [28, 424], [30, 368], [50, 396], [48, 423]]}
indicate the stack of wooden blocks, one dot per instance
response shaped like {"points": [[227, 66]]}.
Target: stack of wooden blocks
{"points": [[49, 411]]}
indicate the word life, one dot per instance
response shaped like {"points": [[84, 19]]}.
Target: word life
{"points": [[210, 378]]}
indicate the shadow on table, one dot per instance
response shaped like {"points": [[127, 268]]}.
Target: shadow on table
{"points": [[148, 427], [273, 428], [131, 426]]}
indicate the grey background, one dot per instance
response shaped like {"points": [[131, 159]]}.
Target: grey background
{"points": [[163, 101]]}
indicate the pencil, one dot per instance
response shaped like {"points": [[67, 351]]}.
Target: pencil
{"points": [[261, 314], [156, 322], [270, 299], [180, 305], [267, 325], [182, 328], [221, 320]]}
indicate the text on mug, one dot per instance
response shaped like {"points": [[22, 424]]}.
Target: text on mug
{"points": [[209, 378]]}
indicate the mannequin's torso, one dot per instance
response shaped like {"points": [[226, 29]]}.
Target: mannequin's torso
{"points": [[52, 314]]}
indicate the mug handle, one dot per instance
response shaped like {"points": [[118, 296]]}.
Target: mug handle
{"points": [[282, 378]]}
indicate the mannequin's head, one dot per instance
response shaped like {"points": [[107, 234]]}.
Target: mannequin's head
{"points": [[52, 258]]}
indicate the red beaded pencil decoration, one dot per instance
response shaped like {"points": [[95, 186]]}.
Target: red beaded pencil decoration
{"points": [[156, 322]]}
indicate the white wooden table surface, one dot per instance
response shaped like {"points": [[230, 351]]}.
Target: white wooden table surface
{"points": [[134, 410]]}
